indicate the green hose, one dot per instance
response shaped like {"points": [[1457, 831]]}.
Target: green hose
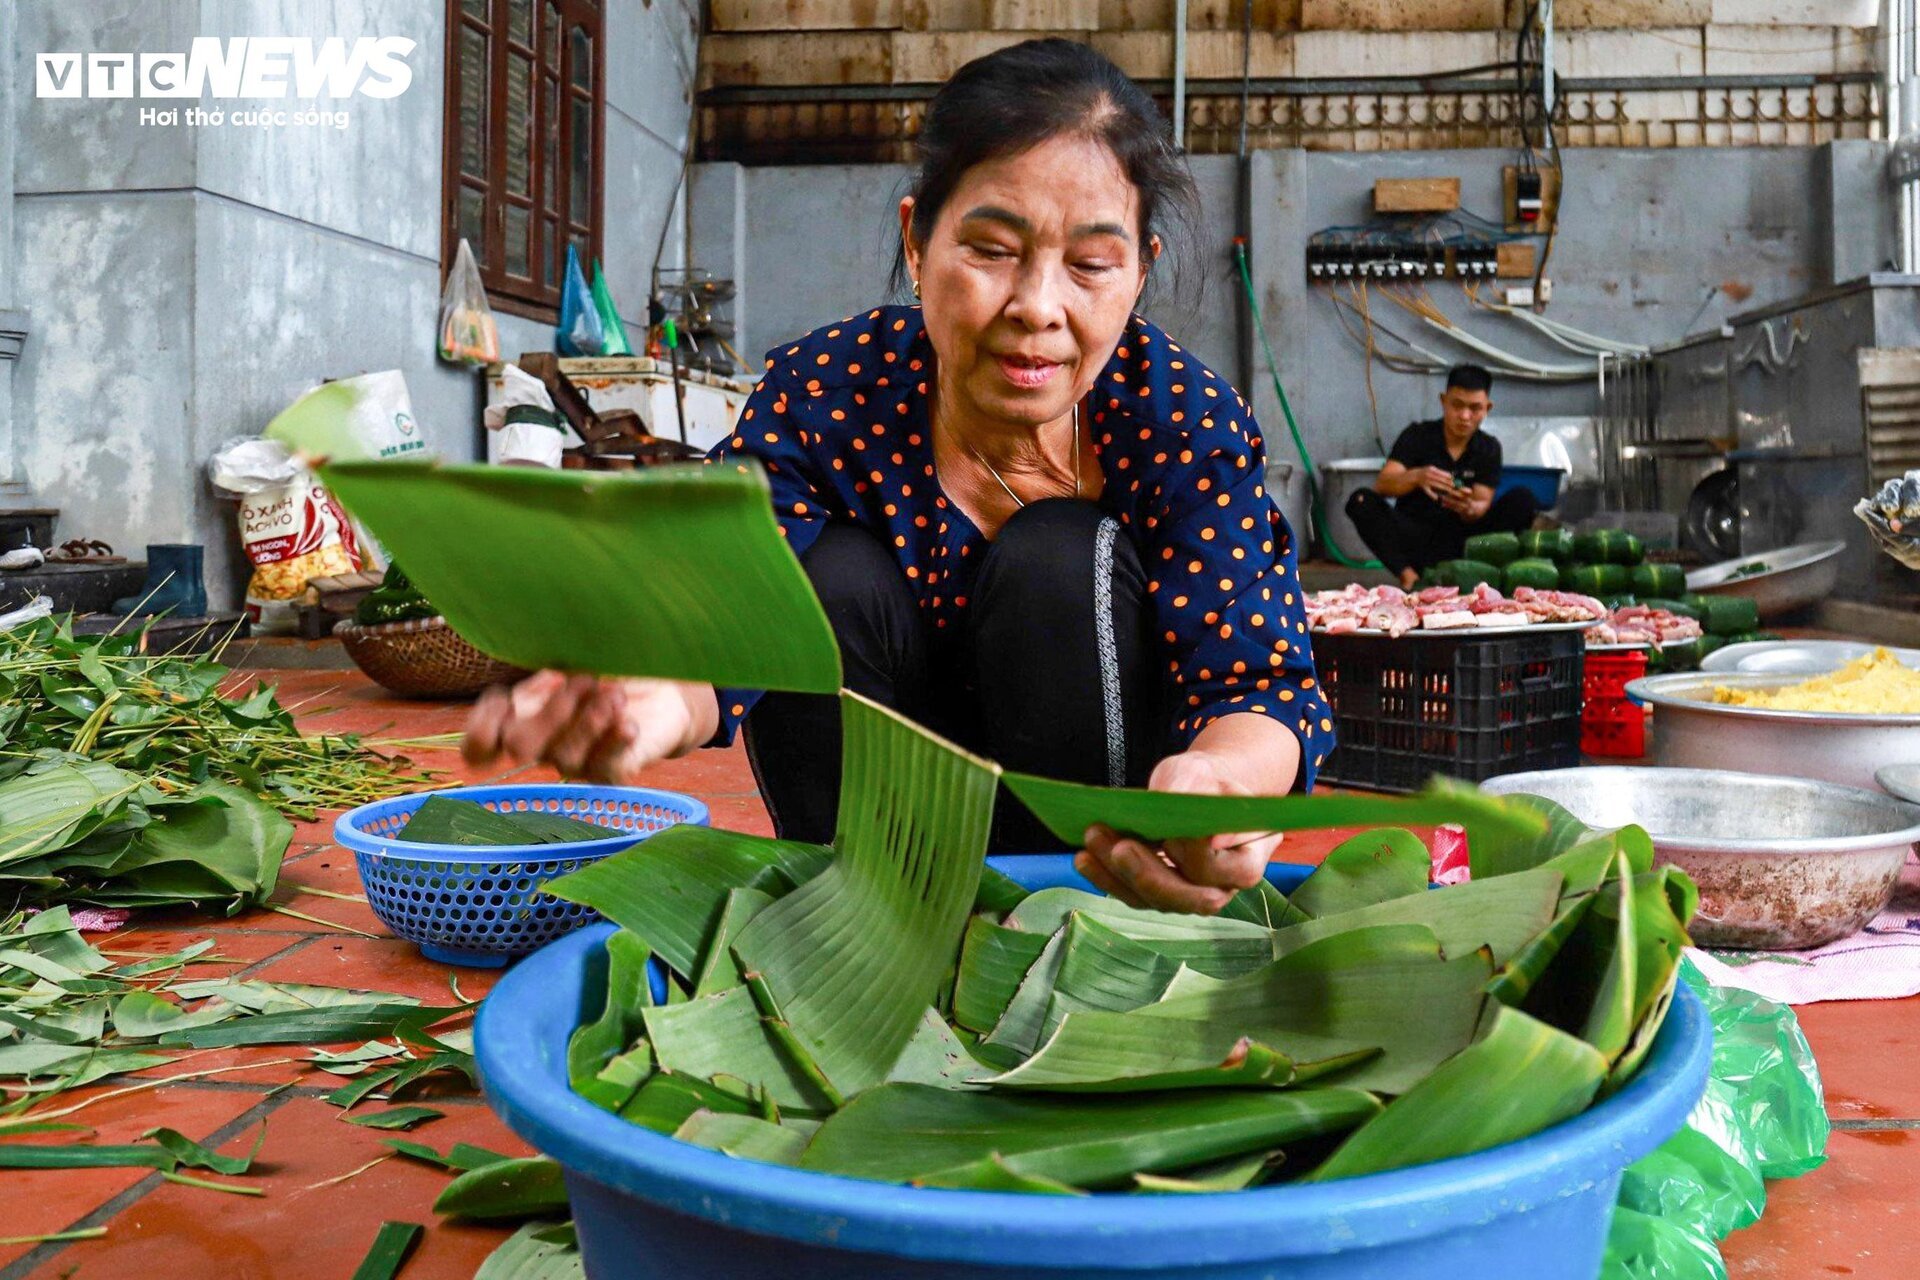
{"points": [[1316, 504]]}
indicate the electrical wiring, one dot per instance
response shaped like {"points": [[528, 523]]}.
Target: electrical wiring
{"points": [[1512, 364], [1564, 335]]}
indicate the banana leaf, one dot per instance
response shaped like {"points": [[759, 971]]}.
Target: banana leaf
{"points": [[747, 1137], [856, 955], [937, 1057], [1522, 1077], [664, 1102], [1502, 914], [1371, 867], [309, 1026], [1101, 968], [44, 811], [1224, 1175], [999, 892], [1222, 947], [615, 1084], [1100, 1052], [1019, 1030], [320, 423], [671, 887], [460, 1156], [1263, 905], [1067, 809], [518, 1188], [141, 1015], [991, 1173], [723, 1034], [229, 846], [993, 961], [1388, 988], [534, 1253], [718, 970], [679, 572], [391, 1245], [916, 1134], [395, 1117], [594, 1044], [1507, 855], [462, 822]]}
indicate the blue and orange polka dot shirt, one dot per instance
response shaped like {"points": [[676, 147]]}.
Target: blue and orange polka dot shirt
{"points": [[840, 420]]}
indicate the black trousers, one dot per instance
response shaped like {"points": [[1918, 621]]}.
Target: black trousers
{"points": [[1054, 670], [1425, 536]]}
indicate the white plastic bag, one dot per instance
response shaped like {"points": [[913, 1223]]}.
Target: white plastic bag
{"points": [[468, 334], [32, 611]]}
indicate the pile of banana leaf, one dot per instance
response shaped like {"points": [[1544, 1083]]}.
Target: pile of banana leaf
{"points": [[127, 779], [886, 1009]]}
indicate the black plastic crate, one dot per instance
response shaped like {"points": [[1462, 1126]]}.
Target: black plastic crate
{"points": [[1468, 704]]}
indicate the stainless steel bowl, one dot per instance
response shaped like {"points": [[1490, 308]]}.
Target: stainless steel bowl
{"points": [[1782, 863], [1790, 577], [1800, 658], [1692, 731]]}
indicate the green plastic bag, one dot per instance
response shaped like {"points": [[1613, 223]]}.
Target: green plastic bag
{"points": [[1707, 1176], [1763, 1115], [1759, 1050], [613, 334], [1646, 1246]]}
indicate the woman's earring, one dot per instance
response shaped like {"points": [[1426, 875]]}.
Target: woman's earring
{"points": [[916, 288]]}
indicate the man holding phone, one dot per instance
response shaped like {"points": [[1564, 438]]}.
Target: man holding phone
{"points": [[1441, 476]]}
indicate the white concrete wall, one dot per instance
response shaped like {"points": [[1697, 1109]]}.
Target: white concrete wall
{"points": [[186, 283]]}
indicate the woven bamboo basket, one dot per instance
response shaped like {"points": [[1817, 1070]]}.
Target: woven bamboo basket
{"points": [[424, 658]]}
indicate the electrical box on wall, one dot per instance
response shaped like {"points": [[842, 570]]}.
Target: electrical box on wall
{"points": [[1531, 197]]}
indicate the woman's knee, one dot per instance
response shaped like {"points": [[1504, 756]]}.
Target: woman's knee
{"points": [[1361, 502]]}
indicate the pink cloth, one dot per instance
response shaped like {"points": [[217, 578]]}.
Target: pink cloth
{"points": [[100, 919], [1881, 962]]}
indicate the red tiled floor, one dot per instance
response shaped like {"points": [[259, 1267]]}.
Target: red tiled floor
{"points": [[1858, 1215], [302, 1227], [1865, 1049], [51, 1200]]}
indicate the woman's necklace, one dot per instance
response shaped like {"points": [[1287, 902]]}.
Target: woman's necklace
{"points": [[1009, 488]]}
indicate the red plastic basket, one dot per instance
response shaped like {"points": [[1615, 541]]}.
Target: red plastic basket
{"points": [[1607, 675], [1613, 727], [1609, 724]]}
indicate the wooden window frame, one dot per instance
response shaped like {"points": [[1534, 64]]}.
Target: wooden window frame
{"points": [[525, 296]]}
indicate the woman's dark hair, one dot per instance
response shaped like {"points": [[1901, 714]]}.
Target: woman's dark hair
{"points": [[1007, 102]]}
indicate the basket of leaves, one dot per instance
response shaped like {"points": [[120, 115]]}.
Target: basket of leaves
{"points": [[403, 644]]}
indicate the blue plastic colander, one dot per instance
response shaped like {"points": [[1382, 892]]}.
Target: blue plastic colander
{"points": [[483, 906]]}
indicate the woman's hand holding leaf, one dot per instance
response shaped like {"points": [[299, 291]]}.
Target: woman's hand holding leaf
{"points": [[586, 727], [1199, 874]]}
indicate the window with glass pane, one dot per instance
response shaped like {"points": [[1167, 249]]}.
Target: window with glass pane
{"points": [[525, 116]]}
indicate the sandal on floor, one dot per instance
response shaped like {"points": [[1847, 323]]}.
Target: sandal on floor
{"points": [[85, 551]]}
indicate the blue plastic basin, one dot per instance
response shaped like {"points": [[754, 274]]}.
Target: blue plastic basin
{"points": [[648, 1206], [1542, 482]]}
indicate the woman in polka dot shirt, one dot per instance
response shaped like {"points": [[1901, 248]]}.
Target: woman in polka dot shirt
{"points": [[1037, 524]]}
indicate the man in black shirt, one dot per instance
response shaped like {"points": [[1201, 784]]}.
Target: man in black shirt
{"points": [[1441, 475]]}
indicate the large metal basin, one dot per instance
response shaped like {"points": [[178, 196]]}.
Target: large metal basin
{"points": [[1791, 577], [1782, 863], [1692, 731]]}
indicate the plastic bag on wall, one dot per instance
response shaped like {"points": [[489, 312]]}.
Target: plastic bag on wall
{"points": [[580, 332], [615, 343], [468, 334]]}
